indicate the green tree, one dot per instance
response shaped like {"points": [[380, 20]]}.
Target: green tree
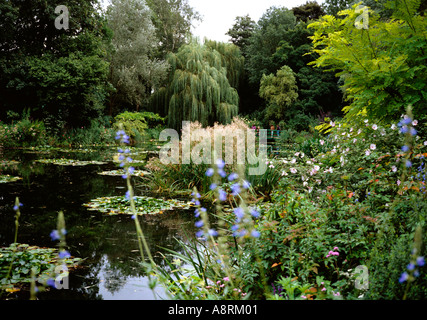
{"points": [[271, 29], [241, 32], [383, 67], [59, 73], [311, 10], [173, 20], [134, 69], [280, 91], [198, 88], [318, 89], [332, 7]]}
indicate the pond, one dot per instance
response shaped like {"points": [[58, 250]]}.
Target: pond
{"points": [[108, 243]]}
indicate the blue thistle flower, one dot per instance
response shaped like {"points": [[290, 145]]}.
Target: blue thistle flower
{"points": [[233, 176], [222, 195], [403, 277], [209, 172], [235, 188]]}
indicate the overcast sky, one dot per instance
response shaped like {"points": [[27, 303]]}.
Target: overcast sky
{"points": [[219, 15]]}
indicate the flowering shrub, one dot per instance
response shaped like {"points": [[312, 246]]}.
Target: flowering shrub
{"points": [[22, 133]]}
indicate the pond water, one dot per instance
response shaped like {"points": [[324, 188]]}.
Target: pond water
{"points": [[111, 269]]}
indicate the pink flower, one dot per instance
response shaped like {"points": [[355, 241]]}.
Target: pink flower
{"points": [[226, 279], [336, 248]]}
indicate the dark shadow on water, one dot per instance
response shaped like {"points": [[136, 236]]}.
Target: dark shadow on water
{"points": [[111, 269]]}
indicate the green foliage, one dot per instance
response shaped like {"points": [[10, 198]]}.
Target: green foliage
{"points": [[173, 21], [271, 29], [24, 259], [132, 122], [382, 67], [59, 71], [242, 30], [198, 88], [280, 91], [311, 10], [24, 132], [134, 68]]}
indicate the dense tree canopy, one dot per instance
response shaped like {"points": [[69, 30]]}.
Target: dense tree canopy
{"points": [[54, 72], [172, 20], [134, 69], [383, 67]]}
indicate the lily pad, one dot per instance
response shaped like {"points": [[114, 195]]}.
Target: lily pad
{"points": [[137, 173], [69, 162], [25, 258], [7, 178], [144, 205]]}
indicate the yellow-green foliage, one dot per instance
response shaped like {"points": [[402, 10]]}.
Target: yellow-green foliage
{"points": [[133, 123]]}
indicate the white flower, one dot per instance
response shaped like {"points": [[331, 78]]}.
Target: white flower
{"points": [[425, 143], [393, 126], [271, 166], [372, 146], [375, 127], [322, 142], [366, 121], [415, 122], [317, 168], [394, 168], [284, 173], [293, 160], [293, 170], [354, 140], [332, 124], [367, 152]]}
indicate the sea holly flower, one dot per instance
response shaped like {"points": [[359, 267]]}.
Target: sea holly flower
{"points": [[239, 213], [16, 207], [64, 254], [233, 176], [413, 132], [213, 186], [213, 232], [420, 261], [405, 148], [235, 188], [403, 277], [209, 172], [51, 283], [254, 213], [408, 163], [220, 164], [246, 184], [222, 195], [54, 235], [199, 223], [411, 266], [255, 233]]}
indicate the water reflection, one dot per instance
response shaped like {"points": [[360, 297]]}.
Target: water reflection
{"points": [[111, 269]]}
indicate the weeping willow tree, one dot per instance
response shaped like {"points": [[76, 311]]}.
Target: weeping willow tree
{"points": [[202, 85]]}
